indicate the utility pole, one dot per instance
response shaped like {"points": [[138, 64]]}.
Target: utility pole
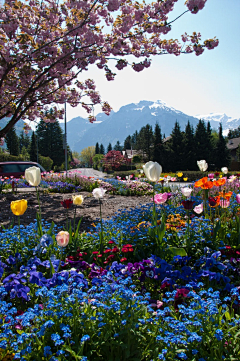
{"points": [[65, 136]]}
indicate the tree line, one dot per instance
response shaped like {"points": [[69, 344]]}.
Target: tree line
{"points": [[181, 150], [46, 141]]}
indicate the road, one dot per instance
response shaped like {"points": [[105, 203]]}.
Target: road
{"points": [[90, 172]]}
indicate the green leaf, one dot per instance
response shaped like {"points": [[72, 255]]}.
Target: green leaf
{"points": [[227, 315], [178, 251]]}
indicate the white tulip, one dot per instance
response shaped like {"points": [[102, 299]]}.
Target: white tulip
{"points": [[33, 176], [152, 171], [98, 193], [202, 165], [186, 191], [224, 170]]}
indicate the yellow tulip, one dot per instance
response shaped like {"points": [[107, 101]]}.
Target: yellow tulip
{"points": [[179, 174], [185, 179], [77, 200], [19, 207]]}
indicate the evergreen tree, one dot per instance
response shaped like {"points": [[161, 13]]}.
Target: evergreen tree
{"points": [[101, 149], [109, 147], [97, 150], [189, 156], [127, 142], [158, 150], [24, 141], [12, 142], [145, 141], [50, 141], [211, 150], [176, 143], [134, 140], [222, 153], [118, 146], [33, 148], [201, 142], [234, 133]]}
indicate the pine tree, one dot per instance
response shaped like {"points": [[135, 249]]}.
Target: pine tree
{"points": [[127, 142], [211, 150], [201, 142], [118, 146], [177, 148], [12, 142], [101, 149], [158, 150], [109, 147], [33, 148], [97, 150], [134, 140], [222, 153], [145, 141], [189, 156], [50, 141], [24, 141]]}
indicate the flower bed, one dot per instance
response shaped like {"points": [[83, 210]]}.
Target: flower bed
{"points": [[159, 282]]}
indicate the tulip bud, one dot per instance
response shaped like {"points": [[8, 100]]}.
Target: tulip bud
{"points": [[202, 165], [19, 207], [186, 191], [33, 176], [152, 171], [98, 193], [62, 238], [224, 170], [77, 200]]}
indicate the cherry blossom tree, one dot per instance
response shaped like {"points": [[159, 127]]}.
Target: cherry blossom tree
{"points": [[45, 46]]}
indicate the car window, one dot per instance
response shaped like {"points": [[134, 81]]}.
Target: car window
{"points": [[11, 168], [23, 167]]}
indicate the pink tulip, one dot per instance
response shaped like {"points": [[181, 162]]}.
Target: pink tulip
{"points": [[62, 238], [198, 209], [238, 198], [160, 198], [224, 203]]}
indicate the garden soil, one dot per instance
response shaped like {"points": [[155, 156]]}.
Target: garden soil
{"points": [[53, 211]]}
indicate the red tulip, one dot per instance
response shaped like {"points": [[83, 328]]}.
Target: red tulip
{"points": [[188, 204], [67, 203]]}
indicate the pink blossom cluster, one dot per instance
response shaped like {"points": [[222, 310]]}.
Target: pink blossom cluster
{"points": [[46, 45], [195, 5]]}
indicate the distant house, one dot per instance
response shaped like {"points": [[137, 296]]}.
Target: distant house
{"points": [[232, 145]]}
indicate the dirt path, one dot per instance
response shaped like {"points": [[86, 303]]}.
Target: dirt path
{"points": [[52, 210]]}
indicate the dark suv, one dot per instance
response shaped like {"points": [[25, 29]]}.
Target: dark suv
{"points": [[16, 169]]}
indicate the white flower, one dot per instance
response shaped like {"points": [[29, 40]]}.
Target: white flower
{"points": [[202, 165], [98, 193], [152, 171], [186, 191], [33, 176], [62, 238], [224, 170]]}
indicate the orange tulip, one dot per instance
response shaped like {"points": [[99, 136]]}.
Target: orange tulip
{"points": [[200, 182], [225, 195], [207, 185], [219, 182]]}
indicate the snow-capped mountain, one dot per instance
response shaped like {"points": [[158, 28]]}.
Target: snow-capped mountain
{"points": [[216, 118], [131, 117]]}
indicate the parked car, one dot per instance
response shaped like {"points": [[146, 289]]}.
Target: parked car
{"points": [[17, 168]]}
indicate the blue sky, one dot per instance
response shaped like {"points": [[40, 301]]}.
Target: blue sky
{"points": [[209, 83]]}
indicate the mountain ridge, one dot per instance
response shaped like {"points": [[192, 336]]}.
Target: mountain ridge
{"points": [[132, 117]]}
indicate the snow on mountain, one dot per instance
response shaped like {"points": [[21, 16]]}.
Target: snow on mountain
{"points": [[132, 117]]}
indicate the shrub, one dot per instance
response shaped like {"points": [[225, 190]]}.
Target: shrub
{"points": [[46, 162]]}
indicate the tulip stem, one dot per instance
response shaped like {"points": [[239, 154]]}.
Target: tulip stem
{"points": [[19, 228], [101, 233], [60, 260], [39, 214]]}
